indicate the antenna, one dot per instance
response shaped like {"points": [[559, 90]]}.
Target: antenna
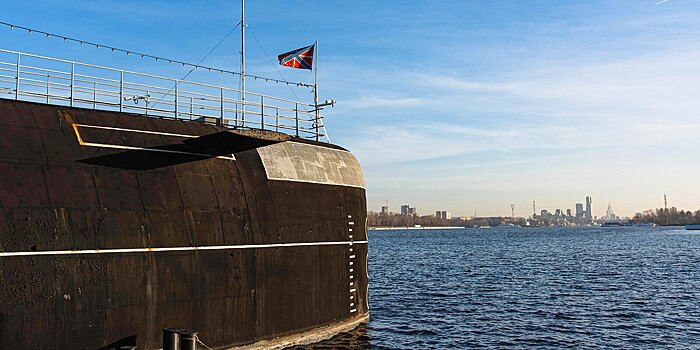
{"points": [[512, 211], [243, 59]]}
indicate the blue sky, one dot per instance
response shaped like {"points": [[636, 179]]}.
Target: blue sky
{"points": [[453, 105]]}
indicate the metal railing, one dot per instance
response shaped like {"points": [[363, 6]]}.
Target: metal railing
{"points": [[55, 81]]}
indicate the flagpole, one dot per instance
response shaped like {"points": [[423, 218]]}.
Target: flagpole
{"points": [[318, 114], [243, 62]]}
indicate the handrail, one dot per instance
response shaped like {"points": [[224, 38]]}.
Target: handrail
{"points": [[58, 81]]}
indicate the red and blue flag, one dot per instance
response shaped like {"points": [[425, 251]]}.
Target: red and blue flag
{"points": [[302, 58]]}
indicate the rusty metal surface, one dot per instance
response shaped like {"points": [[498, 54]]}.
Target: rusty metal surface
{"points": [[53, 198]]}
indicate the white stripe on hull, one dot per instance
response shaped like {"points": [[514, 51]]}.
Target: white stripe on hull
{"points": [[175, 249]]}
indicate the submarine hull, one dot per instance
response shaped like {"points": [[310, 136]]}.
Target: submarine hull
{"points": [[114, 226]]}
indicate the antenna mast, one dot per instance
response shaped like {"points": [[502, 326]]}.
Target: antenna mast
{"points": [[243, 60]]}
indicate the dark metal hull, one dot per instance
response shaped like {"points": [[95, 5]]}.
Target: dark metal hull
{"points": [[123, 225]]}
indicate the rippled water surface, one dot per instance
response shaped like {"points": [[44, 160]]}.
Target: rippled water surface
{"points": [[531, 288]]}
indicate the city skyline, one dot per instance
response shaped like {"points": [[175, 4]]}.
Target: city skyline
{"points": [[574, 208]]}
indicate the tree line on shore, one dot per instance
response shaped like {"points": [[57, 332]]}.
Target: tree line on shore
{"points": [[398, 220], [668, 217], [662, 217]]}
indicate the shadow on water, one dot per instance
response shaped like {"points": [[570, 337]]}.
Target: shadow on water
{"points": [[357, 339]]}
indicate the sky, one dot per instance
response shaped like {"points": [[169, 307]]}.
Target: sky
{"points": [[465, 106]]}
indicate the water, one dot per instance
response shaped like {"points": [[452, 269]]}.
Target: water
{"points": [[531, 287]]}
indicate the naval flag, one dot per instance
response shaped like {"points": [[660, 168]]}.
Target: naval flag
{"points": [[302, 58]]}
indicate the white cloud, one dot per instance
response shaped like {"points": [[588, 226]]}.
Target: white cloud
{"points": [[375, 101]]}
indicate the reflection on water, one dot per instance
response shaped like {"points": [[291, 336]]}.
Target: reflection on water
{"points": [[357, 339]]}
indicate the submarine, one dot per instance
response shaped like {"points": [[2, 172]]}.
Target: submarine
{"points": [[217, 210]]}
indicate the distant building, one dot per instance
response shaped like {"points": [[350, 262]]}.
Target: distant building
{"points": [[579, 210], [610, 214], [412, 211], [445, 215], [568, 212], [404, 209], [589, 212], [385, 210], [545, 215]]}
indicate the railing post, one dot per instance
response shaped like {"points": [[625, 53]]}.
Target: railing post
{"points": [[48, 87], [221, 122], [262, 112], [17, 76], [277, 119], [72, 83], [243, 109], [148, 95], [94, 95], [317, 119], [176, 91], [296, 117], [121, 91], [191, 110]]}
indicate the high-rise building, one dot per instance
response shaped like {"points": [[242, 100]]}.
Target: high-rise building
{"points": [[545, 215], [579, 210], [385, 210], [610, 214], [445, 215], [404, 209], [568, 212], [589, 213]]}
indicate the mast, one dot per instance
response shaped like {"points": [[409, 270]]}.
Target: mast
{"points": [[318, 114], [243, 60]]}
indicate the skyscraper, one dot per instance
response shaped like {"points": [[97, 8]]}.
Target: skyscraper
{"points": [[589, 213], [404, 209], [610, 214], [579, 210]]}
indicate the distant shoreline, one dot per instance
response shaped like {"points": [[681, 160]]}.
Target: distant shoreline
{"points": [[416, 228]]}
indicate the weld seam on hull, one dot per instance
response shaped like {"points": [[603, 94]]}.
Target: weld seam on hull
{"points": [[176, 249]]}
